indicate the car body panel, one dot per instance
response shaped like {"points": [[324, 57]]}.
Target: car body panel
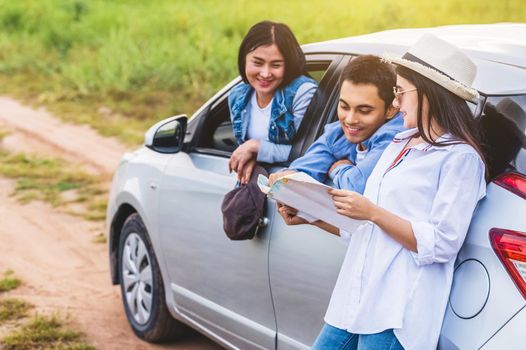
{"points": [[219, 321], [202, 263], [304, 265], [135, 184], [504, 299], [510, 336]]}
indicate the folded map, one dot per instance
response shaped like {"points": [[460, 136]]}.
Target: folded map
{"points": [[310, 197]]}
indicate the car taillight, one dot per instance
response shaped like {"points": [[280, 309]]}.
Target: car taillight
{"points": [[510, 247], [513, 182]]}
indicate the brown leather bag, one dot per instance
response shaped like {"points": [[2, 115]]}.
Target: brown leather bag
{"points": [[243, 207]]}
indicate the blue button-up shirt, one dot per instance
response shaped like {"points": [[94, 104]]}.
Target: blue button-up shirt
{"points": [[333, 146]]}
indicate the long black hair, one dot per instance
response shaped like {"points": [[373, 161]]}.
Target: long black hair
{"points": [[266, 33], [450, 112]]}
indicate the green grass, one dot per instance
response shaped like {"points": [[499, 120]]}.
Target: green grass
{"points": [[47, 179], [120, 65], [100, 239], [9, 282], [13, 309], [44, 333]]}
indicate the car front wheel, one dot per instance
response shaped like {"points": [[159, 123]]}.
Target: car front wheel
{"points": [[142, 288]]}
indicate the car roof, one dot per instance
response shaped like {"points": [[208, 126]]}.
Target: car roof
{"points": [[498, 50]]}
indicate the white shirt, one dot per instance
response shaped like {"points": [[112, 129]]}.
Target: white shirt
{"points": [[382, 285], [360, 154], [259, 119]]}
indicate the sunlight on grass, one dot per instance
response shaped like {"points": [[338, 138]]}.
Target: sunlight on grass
{"points": [[8, 281], [43, 332], [13, 309], [100, 239], [48, 179], [121, 65]]}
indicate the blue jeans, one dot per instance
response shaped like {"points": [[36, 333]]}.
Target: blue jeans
{"points": [[332, 338]]}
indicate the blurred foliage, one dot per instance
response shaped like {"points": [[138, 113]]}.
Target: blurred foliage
{"points": [[139, 61], [8, 281], [13, 309]]}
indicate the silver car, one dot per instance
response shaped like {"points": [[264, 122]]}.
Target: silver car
{"points": [[176, 266]]}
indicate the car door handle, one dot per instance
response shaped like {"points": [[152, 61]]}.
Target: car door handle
{"points": [[263, 222]]}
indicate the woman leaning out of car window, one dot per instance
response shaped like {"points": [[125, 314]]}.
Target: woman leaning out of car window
{"points": [[394, 283], [267, 108]]}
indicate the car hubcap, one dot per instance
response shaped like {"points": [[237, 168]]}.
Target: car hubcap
{"points": [[137, 278]]}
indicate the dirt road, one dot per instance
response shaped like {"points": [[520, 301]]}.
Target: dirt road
{"points": [[53, 253]]}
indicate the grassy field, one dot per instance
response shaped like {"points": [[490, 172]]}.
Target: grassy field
{"points": [[19, 332], [120, 65], [44, 332], [8, 281], [56, 181]]}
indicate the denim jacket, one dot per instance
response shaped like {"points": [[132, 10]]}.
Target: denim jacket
{"points": [[287, 110], [333, 146]]}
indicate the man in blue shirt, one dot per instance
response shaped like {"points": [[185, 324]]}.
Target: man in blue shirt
{"points": [[367, 122]]}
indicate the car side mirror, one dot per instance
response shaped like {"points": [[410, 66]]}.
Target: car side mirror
{"points": [[167, 136]]}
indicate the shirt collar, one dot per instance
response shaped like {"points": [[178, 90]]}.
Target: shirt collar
{"points": [[405, 135]]}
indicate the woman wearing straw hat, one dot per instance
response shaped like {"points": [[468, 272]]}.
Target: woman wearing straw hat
{"points": [[394, 283]]}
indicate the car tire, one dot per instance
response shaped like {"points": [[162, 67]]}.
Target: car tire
{"points": [[142, 288]]}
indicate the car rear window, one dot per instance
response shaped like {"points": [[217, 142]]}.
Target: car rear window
{"points": [[504, 132]]}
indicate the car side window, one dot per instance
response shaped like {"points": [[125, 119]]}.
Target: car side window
{"points": [[216, 134], [503, 125]]}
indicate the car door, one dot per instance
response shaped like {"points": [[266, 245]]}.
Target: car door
{"points": [[304, 260], [218, 284]]}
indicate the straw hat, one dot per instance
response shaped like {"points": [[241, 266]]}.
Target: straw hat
{"points": [[441, 62]]}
